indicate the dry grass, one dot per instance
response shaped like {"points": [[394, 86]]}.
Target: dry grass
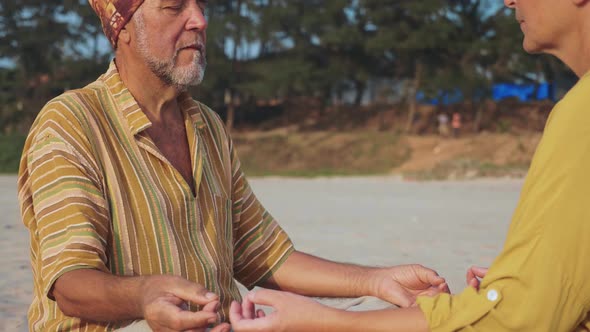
{"points": [[320, 153]]}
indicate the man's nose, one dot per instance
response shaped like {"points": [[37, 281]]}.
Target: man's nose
{"points": [[197, 18]]}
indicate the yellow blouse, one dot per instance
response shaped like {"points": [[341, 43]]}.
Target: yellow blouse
{"points": [[539, 282]]}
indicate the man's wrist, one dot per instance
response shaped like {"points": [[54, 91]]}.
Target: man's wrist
{"points": [[364, 281], [142, 287]]}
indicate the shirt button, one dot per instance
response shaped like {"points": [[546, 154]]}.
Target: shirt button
{"points": [[492, 295]]}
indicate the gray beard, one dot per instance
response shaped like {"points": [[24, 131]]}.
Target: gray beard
{"points": [[180, 78]]}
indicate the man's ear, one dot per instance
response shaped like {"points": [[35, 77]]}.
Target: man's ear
{"points": [[124, 36]]}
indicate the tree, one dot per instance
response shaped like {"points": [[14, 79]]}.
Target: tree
{"points": [[33, 36], [410, 37]]}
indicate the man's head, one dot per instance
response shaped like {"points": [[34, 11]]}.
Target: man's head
{"points": [[547, 24], [173, 48], [168, 36]]}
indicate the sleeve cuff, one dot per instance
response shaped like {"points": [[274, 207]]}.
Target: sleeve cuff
{"points": [[277, 264], [260, 276], [447, 312]]}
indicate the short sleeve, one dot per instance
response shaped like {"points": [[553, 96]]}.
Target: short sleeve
{"points": [[260, 244], [69, 214]]}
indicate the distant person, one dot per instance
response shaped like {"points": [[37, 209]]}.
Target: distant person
{"points": [[443, 124], [137, 205], [539, 282], [456, 124]]}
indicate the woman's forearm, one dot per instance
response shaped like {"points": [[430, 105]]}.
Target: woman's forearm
{"points": [[388, 320]]}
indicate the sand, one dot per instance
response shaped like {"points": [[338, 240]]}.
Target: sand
{"points": [[448, 226]]}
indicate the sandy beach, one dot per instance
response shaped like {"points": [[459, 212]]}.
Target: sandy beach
{"points": [[370, 220]]}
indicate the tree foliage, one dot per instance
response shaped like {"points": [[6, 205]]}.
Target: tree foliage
{"points": [[332, 51]]}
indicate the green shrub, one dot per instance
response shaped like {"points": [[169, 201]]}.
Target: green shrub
{"points": [[11, 147]]}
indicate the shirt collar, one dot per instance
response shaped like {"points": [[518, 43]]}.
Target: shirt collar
{"points": [[132, 112], [192, 108]]}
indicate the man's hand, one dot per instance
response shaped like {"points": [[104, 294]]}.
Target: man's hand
{"points": [[401, 284], [474, 274], [164, 302], [291, 313]]}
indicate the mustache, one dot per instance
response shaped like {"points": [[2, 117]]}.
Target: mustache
{"points": [[198, 47], [198, 44], [199, 57]]}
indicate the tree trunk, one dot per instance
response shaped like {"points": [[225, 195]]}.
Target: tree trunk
{"points": [[231, 113], [231, 107], [412, 104], [478, 117], [324, 101], [360, 91]]}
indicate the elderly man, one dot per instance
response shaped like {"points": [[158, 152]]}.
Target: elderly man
{"points": [[137, 207], [539, 282]]}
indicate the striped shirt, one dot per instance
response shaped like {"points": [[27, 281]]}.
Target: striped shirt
{"points": [[96, 193]]}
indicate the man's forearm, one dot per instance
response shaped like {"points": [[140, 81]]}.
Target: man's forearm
{"points": [[312, 276], [97, 296]]}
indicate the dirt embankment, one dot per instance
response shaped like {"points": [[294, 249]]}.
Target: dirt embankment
{"points": [[482, 155], [320, 153], [496, 139], [324, 153]]}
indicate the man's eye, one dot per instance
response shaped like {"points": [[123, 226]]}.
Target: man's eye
{"points": [[173, 9]]}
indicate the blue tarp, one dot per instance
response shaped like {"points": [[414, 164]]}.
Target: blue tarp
{"points": [[524, 92], [443, 98]]}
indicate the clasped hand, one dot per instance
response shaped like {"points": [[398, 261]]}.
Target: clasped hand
{"points": [[164, 300]]}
